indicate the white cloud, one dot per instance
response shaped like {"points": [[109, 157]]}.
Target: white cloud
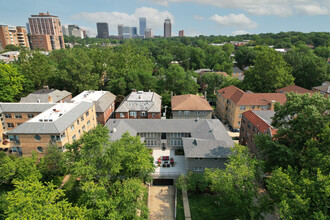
{"points": [[155, 18], [233, 20], [192, 33], [198, 18], [282, 8], [239, 32]]}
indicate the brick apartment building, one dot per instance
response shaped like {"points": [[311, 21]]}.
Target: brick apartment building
{"points": [[15, 35]]}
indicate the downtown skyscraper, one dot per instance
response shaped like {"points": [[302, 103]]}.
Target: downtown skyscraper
{"points": [[143, 25], [167, 28]]}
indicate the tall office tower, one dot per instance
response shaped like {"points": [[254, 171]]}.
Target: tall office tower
{"points": [[28, 28], [15, 35], [120, 30], [181, 33], [148, 33], [46, 32], [143, 25], [134, 31], [167, 28], [102, 30]]}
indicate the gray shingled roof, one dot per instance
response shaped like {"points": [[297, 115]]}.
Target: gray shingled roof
{"points": [[104, 102], [210, 133], [25, 107], [149, 106], [43, 94], [56, 127], [265, 115]]}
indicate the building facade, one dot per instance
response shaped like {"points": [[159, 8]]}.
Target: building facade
{"points": [[233, 102], [167, 28], [102, 30], [46, 32], [148, 33], [47, 95], [140, 105], [143, 25], [190, 107], [15, 35], [181, 33]]}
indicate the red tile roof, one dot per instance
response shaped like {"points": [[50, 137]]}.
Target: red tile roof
{"points": [[190, 102], [294, 88], [259, 123], [239, 97]]}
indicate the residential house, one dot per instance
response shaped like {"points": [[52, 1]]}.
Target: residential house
{"points": [[232, 102], [14, 114], [204, 143], [238, 73], [323, 89], [61, 124], [144, 105], [294, 89], [254, 123], [104, 102], [47, 95], [190, 107]]}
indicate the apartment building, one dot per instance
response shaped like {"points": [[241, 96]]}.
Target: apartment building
{"points": [[323, 89], [104, 102], [190, 107], [294, 89], [15, 35], [254, 123], [61, 124], [13, 115], [205, 143], [232, 102], [144, 105], [47, 95], [46, 32]]}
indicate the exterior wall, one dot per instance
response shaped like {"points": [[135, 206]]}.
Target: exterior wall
{"points": [[28, 143], [66, 99], [192, 115], [17, 121], [246, 135], [22, 37], [156, 114], [191, 163], [16, 36], [173, 141], [41, 42], [117, 115], [149, 115], [104, 116]]}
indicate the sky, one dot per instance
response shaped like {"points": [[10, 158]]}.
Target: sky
{"points": [[195, 17]]}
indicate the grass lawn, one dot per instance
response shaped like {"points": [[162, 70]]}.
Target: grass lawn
{"points": [[179, 207], [208, 207], [72, 190]]}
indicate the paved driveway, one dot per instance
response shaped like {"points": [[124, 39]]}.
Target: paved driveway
{"points": [[161, 203]]}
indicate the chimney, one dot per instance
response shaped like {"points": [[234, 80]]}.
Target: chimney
{"points": [[171, 95], [205, 93], [133, 90], [46, 87], [272, 104], [50, 99]]}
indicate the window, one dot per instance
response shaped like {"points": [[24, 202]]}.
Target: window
{"points": [[55, 138], [79, 132], [18, 124], [249, 125], [72, 127], [239, 123], [40, 149], [253, 106], [264, 107], [78, 121], [143, 113], [197, 112], [121, 115], [7, 115], [198, 168], [82, 118], [30, 115], [18, 116], [242, 107], [180, 112], [37, 137], [186, 112], [132, 114], [97, 115], [153, 115], [243, 121], [87, 113], [73, 137], [204, 112], [88, 123], [10, 125], [83, 128], [62, 136], [198, 158]]}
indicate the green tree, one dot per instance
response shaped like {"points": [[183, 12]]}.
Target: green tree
{"points": [[7, 168], [11, 83], [308, 69], [269, 73], [236, 184], [323, 52], [33, 200], [213, 82], [245, 56]]}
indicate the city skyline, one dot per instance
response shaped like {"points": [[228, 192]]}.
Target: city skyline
{"points": [[196, 17]]}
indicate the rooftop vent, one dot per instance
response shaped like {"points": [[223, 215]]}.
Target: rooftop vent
{"points": [[139, 92]]}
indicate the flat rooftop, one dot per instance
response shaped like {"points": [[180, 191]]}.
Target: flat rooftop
{"points": [[140, 96], [88, 96], [54, 113]]}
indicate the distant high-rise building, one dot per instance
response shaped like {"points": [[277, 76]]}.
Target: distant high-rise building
{"points": [[71, 27], [120, 30], [143, 25], [167, 28], [148, 33], [65, 31], [102, 30], [46, 32], [13, 35], [134, 31], [128, 32], [181, 33], [28, 28]]}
